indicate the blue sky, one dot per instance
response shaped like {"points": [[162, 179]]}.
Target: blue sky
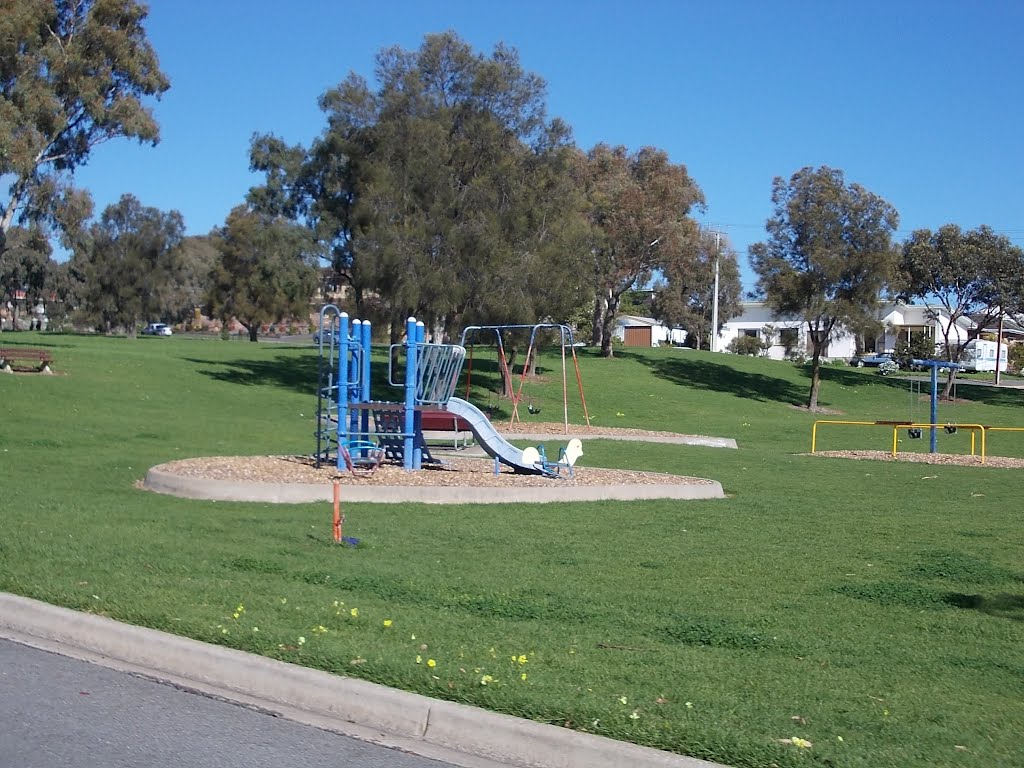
{"points": [[920, 102]]}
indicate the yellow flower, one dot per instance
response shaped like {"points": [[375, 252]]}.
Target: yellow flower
{"points": [[486, 679], [522, 658], [284, 601], [689, 705], [240, 608], [387, 622], [796, 741], [302, 640], [419, 659], [235, 615], [355, 613], [431, 663], [522, 676], [635, 715], [622, 699], [412, 637]]}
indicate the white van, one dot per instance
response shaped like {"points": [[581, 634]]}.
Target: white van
{"points": [[980, 355]]}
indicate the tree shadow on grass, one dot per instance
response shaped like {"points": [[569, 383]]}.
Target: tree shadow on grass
{"points": [[701, 374], [1002, 605], [295, 373]]}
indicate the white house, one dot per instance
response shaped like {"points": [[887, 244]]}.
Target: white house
{"points": [[634, 331], [900, 323]]}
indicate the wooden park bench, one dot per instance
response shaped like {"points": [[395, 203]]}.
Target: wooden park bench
{"points": [[25, 359]]}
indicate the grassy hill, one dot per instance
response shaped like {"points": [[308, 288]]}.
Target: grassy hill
{"points": [[875, 609]]}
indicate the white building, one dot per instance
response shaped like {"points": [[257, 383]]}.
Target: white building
{"points": [[899, 323], [634, 331]]}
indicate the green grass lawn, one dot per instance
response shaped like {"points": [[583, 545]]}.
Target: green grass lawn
{"points": [[874, 609]]}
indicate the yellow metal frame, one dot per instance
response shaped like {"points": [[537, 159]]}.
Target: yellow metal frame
{"points": [[898, 425]]}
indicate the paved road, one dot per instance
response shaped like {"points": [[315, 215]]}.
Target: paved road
{"points": [[56, 711]]}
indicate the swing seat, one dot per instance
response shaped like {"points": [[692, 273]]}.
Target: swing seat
{"points": [[914, 433]]}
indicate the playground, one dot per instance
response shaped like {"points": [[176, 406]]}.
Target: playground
{"points": [[877, 601]]}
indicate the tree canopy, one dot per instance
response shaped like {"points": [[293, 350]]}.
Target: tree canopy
{"points": [[266, 270], [130, 265], [978, 275], [637, 206], [828, 255], [684, 295], [73, 74], [444, 191]]}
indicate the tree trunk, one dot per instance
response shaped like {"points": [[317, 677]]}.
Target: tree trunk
{"points": [[253, 331], [600, 310], [812, 400], [947, 392], [607, 325]]}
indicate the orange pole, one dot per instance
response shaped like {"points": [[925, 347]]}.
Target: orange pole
{"points": [[337, 512]]}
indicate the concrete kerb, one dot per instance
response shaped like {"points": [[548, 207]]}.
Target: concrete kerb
{"points": [[457, 733], [189, 487]]}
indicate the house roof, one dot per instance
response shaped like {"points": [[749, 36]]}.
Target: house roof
{"points": [[634, 320]]}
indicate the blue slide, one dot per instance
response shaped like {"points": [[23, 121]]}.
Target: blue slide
{"points": [[494, 444]]}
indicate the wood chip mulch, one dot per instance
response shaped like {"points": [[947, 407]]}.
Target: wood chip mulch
{"points": [[454, 471], [998, 462]]}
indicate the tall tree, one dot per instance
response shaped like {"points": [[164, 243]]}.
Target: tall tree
{"points": [[828, 255], [131, 265], [266, 270], [638, 205], [25, 266], [684, 296], [444, 190], [73, 74], [976, 275]]}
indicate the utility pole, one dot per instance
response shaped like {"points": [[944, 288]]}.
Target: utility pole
{"points": [[714, 298]]}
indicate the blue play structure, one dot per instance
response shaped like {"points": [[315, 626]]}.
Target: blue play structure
{"points": [[345, 410]]}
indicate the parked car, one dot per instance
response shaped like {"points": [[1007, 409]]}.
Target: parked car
{"points": [[326, 334], [871, 359], [157, 329]]}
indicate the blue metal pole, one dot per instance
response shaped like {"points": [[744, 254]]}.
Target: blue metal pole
{"points": [[934, 447], [364, 425], [410, 394], [417, 451], [342, 385], [354, 368]]}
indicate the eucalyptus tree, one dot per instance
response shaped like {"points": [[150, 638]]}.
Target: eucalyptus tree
{"points": [[684, 295], [828, 255], [25, 267], [266, 270], [129, 265], [444, 190], [976, 275], [73, 74], [638, 206]]}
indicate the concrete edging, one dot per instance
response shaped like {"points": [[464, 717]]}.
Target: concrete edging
{"points": [[189, 487], [396, 718]]}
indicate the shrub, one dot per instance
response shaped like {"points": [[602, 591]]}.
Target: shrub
{"points": [[745, 345], [888, 368]]}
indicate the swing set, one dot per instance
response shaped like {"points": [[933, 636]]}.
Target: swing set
{"points": [[473, 332]]}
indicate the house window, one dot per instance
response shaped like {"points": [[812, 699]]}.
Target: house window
{"points": [[752, 332]]}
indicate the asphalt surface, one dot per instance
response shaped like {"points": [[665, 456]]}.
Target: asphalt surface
{"points": [[57, 711]]}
